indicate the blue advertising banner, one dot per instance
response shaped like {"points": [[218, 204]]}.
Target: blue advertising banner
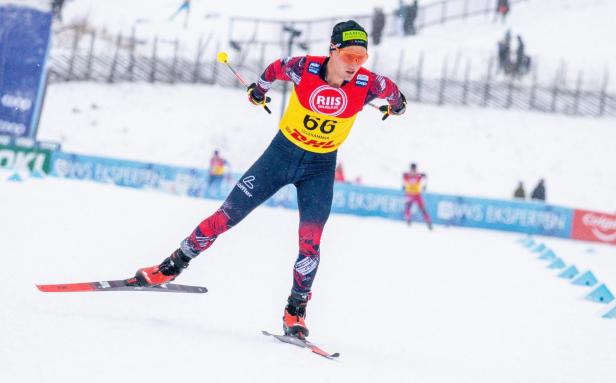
{"points": [[140, 175], [523, 217], [352, 199], [368, 201], [503, 215], [25, 28]]}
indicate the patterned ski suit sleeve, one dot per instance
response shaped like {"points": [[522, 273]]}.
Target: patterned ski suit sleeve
{"points": [[383, 87], [286, 69]]}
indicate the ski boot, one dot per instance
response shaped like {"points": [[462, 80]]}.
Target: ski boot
{"points": [[166, 272], [293, 322]]}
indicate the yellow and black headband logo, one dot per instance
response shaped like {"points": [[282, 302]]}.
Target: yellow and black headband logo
{"points": [[354, 35]]}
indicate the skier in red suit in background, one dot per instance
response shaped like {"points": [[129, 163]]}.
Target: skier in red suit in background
{"points": [[413, 188]]}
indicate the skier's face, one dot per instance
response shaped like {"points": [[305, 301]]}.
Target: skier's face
{"points": [[347, 61]]}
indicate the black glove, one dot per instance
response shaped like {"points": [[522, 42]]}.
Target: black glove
{"points": [[255, 97], [396, 111]]}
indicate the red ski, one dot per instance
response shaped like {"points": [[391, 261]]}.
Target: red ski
{"points": [[303, 343], [119, 285]]}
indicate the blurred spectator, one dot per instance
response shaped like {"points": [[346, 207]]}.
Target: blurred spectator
{"points": [[412, 189], [410, 15], [401, 13], [519, 193], [522, 61], [538, 193], [502, 9], [378, 24], [216, 174], [339, 175], [56, 9], [504, 53]]}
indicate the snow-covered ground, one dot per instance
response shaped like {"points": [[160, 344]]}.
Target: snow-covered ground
{"points": [[468, 151], [399, 303], [405, 304]]}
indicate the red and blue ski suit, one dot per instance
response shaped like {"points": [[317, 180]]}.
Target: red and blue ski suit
{"points": [[303, 153], [412, 189]]}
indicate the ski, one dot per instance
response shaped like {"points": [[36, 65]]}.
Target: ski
{"points": [[303, 343], [119, 285]]}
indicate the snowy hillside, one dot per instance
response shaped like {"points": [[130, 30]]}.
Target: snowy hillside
{"points": [[579, 33], [451, 305], [465, 151]]}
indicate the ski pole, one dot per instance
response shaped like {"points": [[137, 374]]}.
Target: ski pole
{"points": [[223, 58], [385, 115]]}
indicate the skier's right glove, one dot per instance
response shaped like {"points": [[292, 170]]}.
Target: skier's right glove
{"points": [[257, 98], [396, 111]]}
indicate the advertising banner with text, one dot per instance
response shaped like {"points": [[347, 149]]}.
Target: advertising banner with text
{"points": [[504, 215], [594, 226], [25, 29], [25, 159]]}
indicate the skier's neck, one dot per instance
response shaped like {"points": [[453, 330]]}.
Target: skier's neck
{"points": [[331, 78]]}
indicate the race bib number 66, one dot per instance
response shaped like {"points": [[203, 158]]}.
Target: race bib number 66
{"points": [[326, 126]]}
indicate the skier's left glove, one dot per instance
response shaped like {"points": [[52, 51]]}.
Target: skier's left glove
{"points": [[255, 97], [396, 111]]}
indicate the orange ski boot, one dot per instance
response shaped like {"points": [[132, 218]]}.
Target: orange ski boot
{"points": [[293, 321], [166, 272]]}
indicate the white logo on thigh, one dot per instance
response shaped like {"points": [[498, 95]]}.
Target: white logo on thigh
{"points": [[248, 181], [306, 265]]}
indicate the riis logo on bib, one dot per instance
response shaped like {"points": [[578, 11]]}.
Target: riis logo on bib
{"points": [[328, 100]]}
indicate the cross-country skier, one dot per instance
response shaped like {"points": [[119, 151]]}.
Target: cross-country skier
{"points": [[412, 189], [328, 93], [216, 174]]}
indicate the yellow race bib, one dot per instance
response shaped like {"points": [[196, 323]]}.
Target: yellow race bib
{"points": [[314, 132], [319, 117]]}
